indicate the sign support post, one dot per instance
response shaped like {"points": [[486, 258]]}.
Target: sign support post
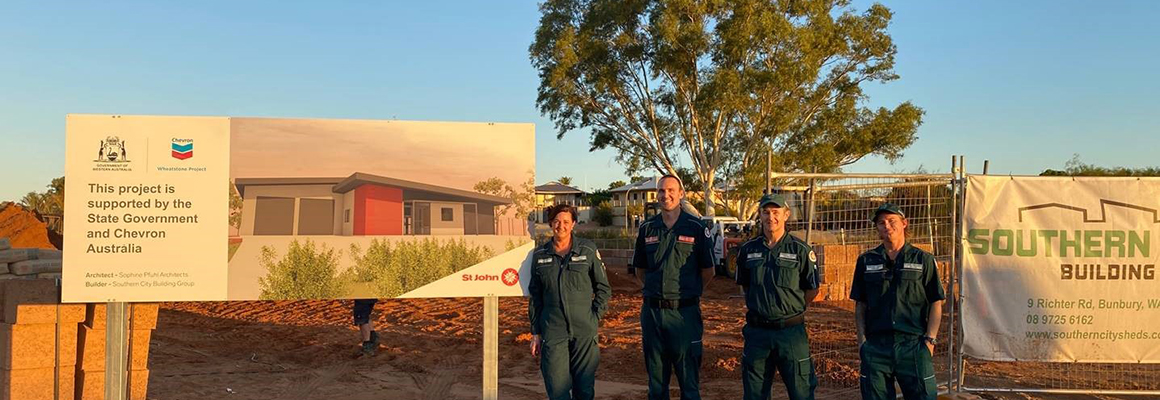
{"points": [[490, 347], [116, 349]]}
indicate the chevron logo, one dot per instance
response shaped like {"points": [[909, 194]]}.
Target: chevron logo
{"points": [[182, 151]]}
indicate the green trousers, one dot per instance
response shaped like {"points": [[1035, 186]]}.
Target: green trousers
{"points": [[786, 350], [671, 339], [569, 368], [896, 357]]}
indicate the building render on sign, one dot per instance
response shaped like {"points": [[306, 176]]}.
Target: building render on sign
{"points": [[362, 205]]}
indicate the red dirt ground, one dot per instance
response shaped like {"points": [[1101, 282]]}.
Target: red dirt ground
{"points": [[432, 350]]}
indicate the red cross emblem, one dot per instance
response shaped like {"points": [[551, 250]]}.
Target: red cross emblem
{"points": [[510, 277]]}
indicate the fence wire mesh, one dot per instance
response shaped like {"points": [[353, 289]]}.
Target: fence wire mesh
{"points": [[833, 212]]}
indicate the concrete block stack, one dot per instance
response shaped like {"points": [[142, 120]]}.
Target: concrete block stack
{"points": [[90, 363], [837, 263], [28, 263], [37, 340]]}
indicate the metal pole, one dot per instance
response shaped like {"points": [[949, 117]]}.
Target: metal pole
{"points": [[958, 245], [490, 348], [986, 166], [952, 273], [116, 350], [810, 212]]}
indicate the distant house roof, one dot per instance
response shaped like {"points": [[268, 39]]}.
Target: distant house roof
{"points": [[644, 184], [343, 185], [557, 188]]}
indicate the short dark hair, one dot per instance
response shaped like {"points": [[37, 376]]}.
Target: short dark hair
{"points": [[559, 208], [679, 181]]}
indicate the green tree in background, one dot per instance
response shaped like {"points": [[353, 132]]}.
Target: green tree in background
{"points": [[722, 82], [1075, 167]]}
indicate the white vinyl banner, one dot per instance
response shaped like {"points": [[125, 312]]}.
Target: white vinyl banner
{"points": [[1062, 269]]}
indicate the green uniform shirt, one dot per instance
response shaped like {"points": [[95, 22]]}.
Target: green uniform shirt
{"points": [[672, 258], [569, 293], [776, 279], [897, 294]]}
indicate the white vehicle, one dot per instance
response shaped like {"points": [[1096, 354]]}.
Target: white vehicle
{"points": [[726, 234]]}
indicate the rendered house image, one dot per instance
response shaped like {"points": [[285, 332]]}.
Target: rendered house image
{"points": [[362, 204]]}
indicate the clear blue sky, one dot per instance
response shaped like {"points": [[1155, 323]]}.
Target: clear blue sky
{"points": [[1024, 84]]}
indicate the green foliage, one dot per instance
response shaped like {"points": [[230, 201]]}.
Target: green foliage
{"points": [[602, 213], [49, 202], [1075, 167], [597, 197], [565, 180], [523, 198], [304, 273], [723, 82], [394, 269], [615, 184]]}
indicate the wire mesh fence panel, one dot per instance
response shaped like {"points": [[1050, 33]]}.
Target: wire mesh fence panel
{"points": [[834, 212]]}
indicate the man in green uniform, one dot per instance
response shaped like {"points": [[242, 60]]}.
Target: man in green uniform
{"points": [[899, 308], [569, 293], [673, 251], [779, 274]]}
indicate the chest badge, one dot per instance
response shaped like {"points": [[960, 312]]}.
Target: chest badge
{"points": [[788, 256], [912, 267], [874, 268], [579, 258], [685, 239], [651, 239], [754, 255]]}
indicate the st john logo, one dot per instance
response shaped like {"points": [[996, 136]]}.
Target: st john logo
{"points": [[182, 149]]}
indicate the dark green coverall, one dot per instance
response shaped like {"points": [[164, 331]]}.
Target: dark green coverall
{"points": [[775, 281], [897, 296], [670, 316], [569, 294]]}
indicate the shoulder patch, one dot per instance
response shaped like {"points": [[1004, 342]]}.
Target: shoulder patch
{"points": [[707, 233], [813, 257]]}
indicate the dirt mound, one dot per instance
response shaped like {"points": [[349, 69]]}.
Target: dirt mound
{"points": [[25, 228]]}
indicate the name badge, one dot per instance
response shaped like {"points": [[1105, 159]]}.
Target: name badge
{"points": [[788, 256], [912, 266], [579, 258], [685, 239], [651, 239], [754, 255], [543, 260], [874, 268]]}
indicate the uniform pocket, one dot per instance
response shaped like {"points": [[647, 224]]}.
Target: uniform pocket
{"points": [[788, 273]]}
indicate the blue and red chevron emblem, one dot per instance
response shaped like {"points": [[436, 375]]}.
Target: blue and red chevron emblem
{"points": [[182, 151]]}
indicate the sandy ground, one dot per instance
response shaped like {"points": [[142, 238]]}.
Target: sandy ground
{"points": [[432, 349]]}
